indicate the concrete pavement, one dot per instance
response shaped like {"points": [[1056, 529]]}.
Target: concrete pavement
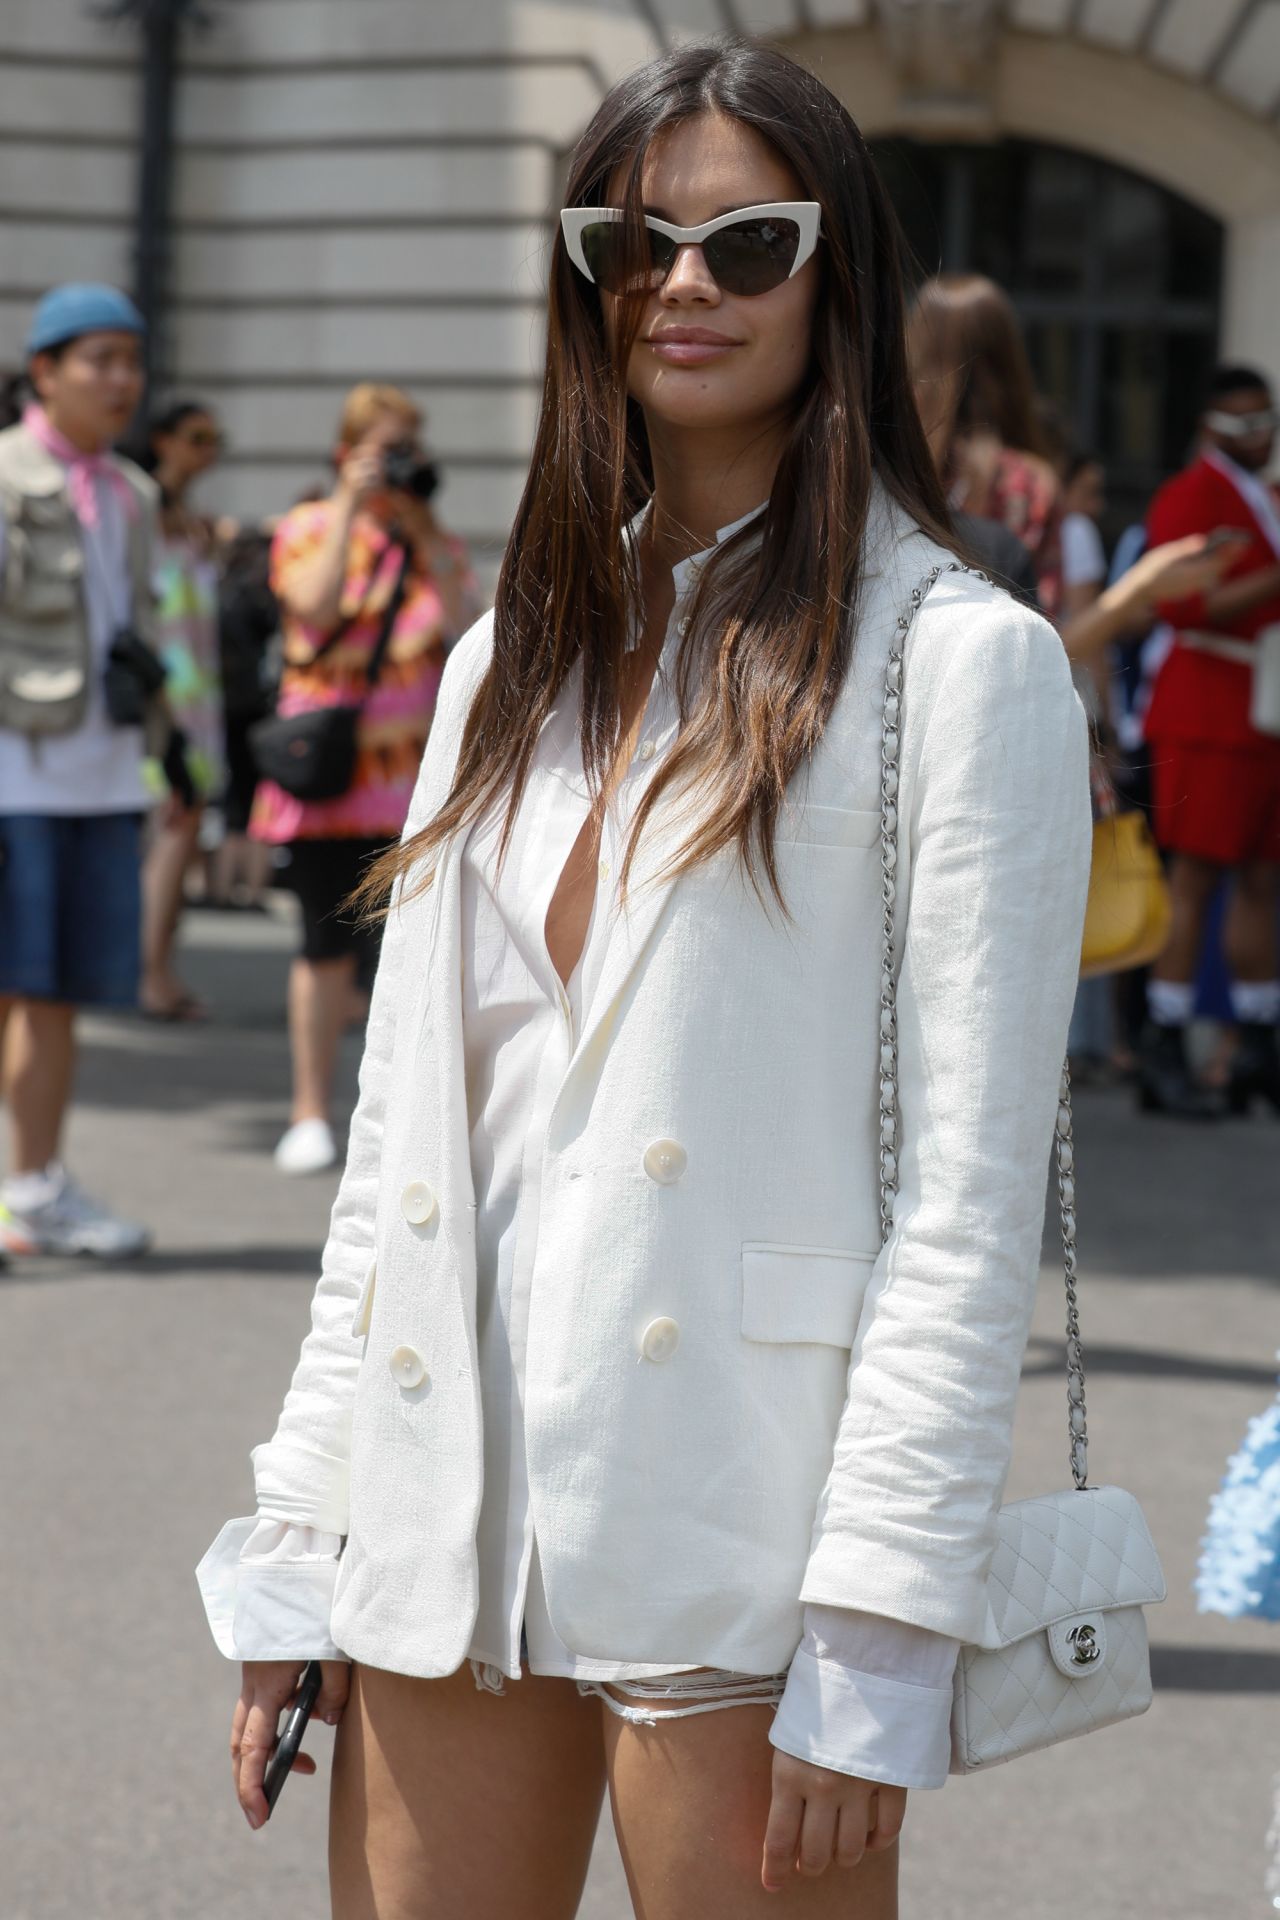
{"points": [[129, 1401]]}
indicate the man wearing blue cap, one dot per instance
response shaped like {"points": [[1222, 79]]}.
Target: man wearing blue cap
{"points": [[80, 704]]}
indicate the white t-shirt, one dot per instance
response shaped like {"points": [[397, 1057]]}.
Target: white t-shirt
{"points": [[98, 768], [1084, 559]]}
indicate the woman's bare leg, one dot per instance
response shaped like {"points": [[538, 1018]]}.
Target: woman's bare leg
{"points": [[690, 1805], [319, 1005], [452, 1804], [163, 875]]}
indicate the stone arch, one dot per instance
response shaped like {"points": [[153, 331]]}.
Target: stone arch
{"points": [[1121, 108]]}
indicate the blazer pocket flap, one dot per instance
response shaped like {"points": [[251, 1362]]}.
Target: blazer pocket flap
{"points": [[802, 1293], [811, 826], [364, 1306]]}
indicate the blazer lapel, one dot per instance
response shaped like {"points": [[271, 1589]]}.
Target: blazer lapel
{"points": [[648, 892]]}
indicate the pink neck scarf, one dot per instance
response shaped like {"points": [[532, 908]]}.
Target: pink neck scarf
{"points": [[83, 469]]}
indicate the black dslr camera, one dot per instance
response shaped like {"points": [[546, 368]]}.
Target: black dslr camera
{"points": [[134, 675], [405, 469]]}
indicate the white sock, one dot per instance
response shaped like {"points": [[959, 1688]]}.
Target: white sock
{"points": [[1256, 1003], [28, 1192], [1171, 1003]]}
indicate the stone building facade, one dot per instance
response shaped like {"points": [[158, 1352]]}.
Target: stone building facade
{"points": [[366, 188]]}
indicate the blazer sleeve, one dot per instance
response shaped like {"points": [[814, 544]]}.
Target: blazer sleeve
{"points": [[999, 826], [301, 1474]]}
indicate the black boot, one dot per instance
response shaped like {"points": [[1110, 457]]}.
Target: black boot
{"points": [[1255, 1070], [1165, 1081]]}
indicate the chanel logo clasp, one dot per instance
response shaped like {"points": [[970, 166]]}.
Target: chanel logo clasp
{"points": [[1079, 1644], [1085, 1641]]}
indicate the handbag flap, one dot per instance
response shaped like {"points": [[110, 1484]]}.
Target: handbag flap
{"points": [[1068, 1553]]}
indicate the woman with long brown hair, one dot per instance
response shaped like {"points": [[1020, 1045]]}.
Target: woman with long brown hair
{"points": [[619, 1453], [978, 403]]}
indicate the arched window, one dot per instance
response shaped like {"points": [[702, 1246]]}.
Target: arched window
{"points": [[1118, 282]]}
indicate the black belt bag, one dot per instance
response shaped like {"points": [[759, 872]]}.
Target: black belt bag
{"points": [[313, 755]]}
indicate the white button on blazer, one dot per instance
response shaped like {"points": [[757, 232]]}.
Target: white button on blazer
{"points": [[820, 1421]]}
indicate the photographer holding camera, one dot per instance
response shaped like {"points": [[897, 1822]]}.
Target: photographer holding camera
{"points": [[372, 592], [80, 704]]}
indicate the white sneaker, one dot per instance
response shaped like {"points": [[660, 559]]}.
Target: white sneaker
{"points": [[308, 1147], [69, 1221]]}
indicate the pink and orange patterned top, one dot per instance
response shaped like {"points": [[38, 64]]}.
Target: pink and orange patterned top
{"points": [[1026, 498], [397, 716]]}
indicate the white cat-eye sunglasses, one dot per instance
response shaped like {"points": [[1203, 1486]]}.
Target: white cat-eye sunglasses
{"points": [[751, 250]]}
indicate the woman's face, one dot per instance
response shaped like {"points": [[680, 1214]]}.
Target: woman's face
{"points": [[705, 359], [191, 448], [388, 428]]}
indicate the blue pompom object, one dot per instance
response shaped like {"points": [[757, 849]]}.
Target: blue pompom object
{"points": [[1240, 1558]]}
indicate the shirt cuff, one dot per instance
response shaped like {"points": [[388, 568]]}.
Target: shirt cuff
{"points": [[892, 1731], [268, 1591]]}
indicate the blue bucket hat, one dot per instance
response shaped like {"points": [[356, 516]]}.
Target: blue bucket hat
{"points": [[81, 307]]}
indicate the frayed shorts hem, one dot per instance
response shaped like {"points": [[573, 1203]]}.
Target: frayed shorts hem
{"points": [[674, 1696]]}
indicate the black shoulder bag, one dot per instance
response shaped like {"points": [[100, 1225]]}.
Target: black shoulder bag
{"points": [[313, 755]]}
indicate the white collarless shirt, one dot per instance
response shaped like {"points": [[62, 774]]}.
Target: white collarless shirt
{"points": [[865, 1695], [520, 1024]]}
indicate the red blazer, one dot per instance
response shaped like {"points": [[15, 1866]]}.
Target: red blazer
{"points": [[1197, 696]]}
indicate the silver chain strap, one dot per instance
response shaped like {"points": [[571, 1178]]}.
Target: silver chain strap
{"points": [[890, 1143]]}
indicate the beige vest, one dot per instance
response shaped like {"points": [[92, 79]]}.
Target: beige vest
{"points": [[45, 661]]}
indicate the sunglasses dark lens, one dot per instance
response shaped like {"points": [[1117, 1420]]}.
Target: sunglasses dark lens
{"points": [[752, 256], [608, 250]]}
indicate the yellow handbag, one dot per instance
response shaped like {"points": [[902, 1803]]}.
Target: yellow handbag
{"points": [[1126, 919]]}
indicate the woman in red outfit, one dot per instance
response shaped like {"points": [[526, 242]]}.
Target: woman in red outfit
{"points": [[1216, 777]]}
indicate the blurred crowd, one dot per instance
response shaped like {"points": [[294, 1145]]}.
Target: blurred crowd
{"points": [[194, 712], [1174, 639]]}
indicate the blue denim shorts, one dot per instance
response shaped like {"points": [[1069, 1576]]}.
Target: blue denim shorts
{"points": [[71, 907]]}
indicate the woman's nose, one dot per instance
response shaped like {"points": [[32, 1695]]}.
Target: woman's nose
{"points": [[690, 278]]}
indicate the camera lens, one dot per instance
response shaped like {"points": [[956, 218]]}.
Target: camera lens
{"points": [[404, 469]]}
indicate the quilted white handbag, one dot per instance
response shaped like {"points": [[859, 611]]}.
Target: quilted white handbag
{"points": [[1064, 1648]]}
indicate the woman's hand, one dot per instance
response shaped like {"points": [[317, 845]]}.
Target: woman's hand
{"points": [[1163, 574], [1170, 573], [269, 1687], [818, 1816], [361, 473]]}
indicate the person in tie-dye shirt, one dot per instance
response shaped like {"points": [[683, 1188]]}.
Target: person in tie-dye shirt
{"points": [[334, 565]]}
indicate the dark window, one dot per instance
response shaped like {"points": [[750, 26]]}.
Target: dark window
{"points": [[1118, 282]]}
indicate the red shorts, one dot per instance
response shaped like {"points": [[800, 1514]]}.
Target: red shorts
{"points": [[1217, 803]]}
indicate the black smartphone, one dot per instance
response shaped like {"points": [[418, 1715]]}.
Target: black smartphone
{"points": [[1227, 537], [286, 1748]]}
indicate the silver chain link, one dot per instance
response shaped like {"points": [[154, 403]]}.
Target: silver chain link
{"points": [[890, 1142]]}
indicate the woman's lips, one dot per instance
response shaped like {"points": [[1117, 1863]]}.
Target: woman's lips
{"points": [[690, 349]]}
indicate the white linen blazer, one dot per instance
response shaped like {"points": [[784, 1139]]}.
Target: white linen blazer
{"points": [[735, 1402]]}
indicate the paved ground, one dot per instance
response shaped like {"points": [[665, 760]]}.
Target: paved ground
{"points": [[128, 1403]]}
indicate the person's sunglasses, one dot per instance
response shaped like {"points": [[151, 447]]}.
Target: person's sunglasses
{"points": [[1242, 426], [204, 437], [752, 250]]}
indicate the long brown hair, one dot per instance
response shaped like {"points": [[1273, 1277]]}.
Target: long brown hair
{"points": [[771, 624], [963, 332]]}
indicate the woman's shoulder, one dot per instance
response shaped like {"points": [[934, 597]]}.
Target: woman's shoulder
{"points": [[974, 639], [973, 654]]}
